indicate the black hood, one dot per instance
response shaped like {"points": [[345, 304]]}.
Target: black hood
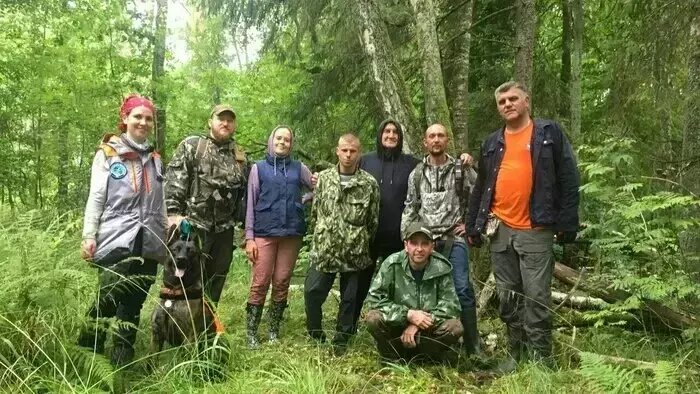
{"points": [[390, 152]]}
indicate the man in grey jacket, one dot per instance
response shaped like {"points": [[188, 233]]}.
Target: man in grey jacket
{"points": [[438, 190]]}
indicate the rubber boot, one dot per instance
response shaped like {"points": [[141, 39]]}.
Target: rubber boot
{"points": [[275, 314], [253, 315], [516, 351], [471, 342], [123, 349], [93, 339]]}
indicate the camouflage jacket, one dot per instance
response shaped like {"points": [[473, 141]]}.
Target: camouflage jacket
{"points": [[394, 290], [204, 182], [345, 221], [433, 198]]}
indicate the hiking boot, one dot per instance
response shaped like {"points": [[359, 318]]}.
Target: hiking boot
{"points": [[253, 315], [506, 366], [275, 314], [339, 349]]}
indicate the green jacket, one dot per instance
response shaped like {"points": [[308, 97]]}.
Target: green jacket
{"points": [[394, 290], [205, 181], [345, 221]]}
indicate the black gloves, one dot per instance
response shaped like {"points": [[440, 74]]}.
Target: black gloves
{"points": [[565, 237], [474, 239]]}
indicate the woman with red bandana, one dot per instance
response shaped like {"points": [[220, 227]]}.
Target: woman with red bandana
{"points": [[124, 226]]}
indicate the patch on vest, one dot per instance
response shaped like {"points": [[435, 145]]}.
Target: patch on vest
{"points": [[117, 170]]}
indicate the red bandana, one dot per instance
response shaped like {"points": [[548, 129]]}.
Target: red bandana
{"points": [[130, 102]]}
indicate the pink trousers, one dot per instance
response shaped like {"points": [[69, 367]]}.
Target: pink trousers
{"points": [[277, 257]]}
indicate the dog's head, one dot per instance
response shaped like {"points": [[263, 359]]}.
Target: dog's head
{"points": [[183, 264]]}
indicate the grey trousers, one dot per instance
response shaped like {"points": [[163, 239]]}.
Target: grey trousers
{"points": [[523, 264]]}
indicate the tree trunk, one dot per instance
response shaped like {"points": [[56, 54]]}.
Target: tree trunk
{"points": [[436, 110], [387, 81], [62, 167], [565, 75], [652, 310], [158, 71], [691, 129], [526, 29], [690, 239], [576, 58], [456, 70]]}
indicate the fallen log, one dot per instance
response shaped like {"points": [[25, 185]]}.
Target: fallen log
{"points": [[486, 294], [619, 360], [653, 310], [578, 301]]}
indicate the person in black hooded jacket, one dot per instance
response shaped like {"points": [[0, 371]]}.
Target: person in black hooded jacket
{"points": [[390, 167]]}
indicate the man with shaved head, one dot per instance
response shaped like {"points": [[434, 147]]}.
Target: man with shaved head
{"points": [[345, 212], [438, 190]]}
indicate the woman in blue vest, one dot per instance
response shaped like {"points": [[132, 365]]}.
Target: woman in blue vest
{"points": [[124, 227], [274, 228]]}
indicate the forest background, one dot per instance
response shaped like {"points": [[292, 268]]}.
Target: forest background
{"points": [[622, 76]]}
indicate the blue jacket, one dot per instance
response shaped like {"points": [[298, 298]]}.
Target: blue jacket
{"points": [[279, 211], [554, 199]]}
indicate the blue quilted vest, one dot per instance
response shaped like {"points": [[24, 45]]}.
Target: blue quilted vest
{"points": [[278, 211]]}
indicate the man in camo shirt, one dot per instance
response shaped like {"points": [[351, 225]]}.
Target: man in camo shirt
{"points": [[437, 198], [345, 212], [205, 183], [414, 310]]}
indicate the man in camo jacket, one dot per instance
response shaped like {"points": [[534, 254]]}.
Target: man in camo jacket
{"points": [[345, 212], [205, 183], [413, 307]]}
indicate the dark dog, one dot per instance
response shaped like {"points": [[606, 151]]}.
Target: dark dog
{"points": [[182, 314]]}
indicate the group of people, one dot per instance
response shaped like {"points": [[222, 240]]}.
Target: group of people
{"points": [[415, 218]]}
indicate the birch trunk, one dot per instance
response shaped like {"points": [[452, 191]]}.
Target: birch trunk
{"points": [[158, 71], [389, 86], [436, 110]]}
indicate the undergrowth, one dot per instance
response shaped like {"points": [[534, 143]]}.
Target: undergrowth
{"points": [[46, 290]]}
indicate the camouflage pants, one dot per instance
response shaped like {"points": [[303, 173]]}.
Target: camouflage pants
{"points": [[432, 345], [523, 264]]}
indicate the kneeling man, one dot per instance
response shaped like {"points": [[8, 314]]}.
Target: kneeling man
{"points": [[413, 308]]}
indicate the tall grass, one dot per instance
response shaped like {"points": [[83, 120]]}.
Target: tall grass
{"points": [[46, 289]]}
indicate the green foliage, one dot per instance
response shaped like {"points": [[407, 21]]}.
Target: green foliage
{"points": [[634, 226], [603, 377]]}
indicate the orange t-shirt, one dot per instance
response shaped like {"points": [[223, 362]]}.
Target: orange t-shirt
{"points": [[511, 199]]}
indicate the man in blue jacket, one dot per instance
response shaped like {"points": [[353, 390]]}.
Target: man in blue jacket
{"points": [[526, 193]]}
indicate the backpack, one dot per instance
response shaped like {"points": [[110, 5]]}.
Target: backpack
{"points": [[462, 194]]}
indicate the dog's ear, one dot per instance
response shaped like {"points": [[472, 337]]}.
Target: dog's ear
{"points": [[173, 233]]}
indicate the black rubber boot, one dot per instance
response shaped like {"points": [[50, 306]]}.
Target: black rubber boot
{"points": [[275, 313], [93, 339], [253, 315], [123, 349], [470, 344], [516, 351]]}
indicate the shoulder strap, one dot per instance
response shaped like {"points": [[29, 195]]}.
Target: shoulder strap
{"points": [[417, 178], [201, 147], [106, 147], [239, 154]]}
